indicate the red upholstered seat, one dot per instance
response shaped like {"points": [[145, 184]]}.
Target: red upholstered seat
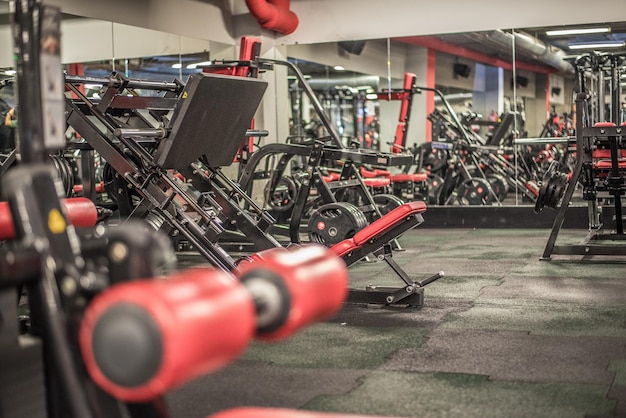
{"points": [[606, 164], [606, 153], [332, 177], [377, 182], [403, 178], [365, 173], [382, 173], [604, 125], [388, 221], [601, 153]]}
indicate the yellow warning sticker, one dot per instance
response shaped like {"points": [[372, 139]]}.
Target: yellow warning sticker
{"points": [[56, 222], [184, 95]]}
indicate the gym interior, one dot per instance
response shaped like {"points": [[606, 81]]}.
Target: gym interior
{"points": [[312, 209]]}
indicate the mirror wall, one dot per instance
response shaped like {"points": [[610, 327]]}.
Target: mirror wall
{"points": [[483, 76]]}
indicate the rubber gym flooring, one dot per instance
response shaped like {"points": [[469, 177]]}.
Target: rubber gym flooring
{"points": [[502, 335]]}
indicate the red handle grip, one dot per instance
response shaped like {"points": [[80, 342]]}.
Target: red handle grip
{"points": [[80, 212], [140, 339]]}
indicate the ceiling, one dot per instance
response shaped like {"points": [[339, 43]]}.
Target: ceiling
{"points": [[534, 49], [532, 44]]}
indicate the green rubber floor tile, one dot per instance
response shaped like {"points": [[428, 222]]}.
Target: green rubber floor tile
{"points": [[460, 287], [519, 289], [424, 238], [513, 356], [551, 319], [429, 316], [578, 269], [458, 266], [259, 384], [468, 396], [336, 345], [506, 233], [619, 367], [481, 252]]}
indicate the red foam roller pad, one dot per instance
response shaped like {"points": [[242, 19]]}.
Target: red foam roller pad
{"points": [[296, 286], [80, 212], [143, 338], [281, 413]]}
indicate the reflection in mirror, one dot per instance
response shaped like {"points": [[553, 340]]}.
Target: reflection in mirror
{"points": [[496, 86], [347, 97], [7, 92]]}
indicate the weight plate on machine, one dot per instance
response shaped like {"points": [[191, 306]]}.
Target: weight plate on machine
{"points": [[66, 173], [333, 222], [434, 159], [108, 177], [474, 191], [283, 197], [386, 203], [435, 184], [498, 185], [552, 188]]}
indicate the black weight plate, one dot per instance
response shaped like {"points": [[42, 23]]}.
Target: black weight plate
{"points": [[435, 184], [385, 204], [283, 197], [333, 222], [474, 191], [498, 185]]}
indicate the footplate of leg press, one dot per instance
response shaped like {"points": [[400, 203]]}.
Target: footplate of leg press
{"points": [[407, 296]]}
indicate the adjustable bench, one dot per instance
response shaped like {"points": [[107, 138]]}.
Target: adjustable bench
{"points": [[375, 238]]}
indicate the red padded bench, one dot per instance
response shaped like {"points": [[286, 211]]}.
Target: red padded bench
{"points": [[374, 236], [332, 176], [377, 182], [405, 178], [368, 174]]}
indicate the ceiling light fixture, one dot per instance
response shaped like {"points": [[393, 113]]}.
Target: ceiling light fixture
{"points": [[338, 68], [597, 45], [198, 64], [579, 31]]}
